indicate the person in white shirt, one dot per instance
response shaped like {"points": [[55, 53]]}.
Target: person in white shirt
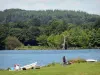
{"points": [[17, 67]]}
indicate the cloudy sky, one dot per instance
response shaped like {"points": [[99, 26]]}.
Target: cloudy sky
{"points": [[90, 6]]}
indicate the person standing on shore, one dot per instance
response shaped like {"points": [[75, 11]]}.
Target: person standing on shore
{"points": [[64, 60]]}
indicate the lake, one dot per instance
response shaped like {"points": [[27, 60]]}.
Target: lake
{"points": [[23, 57]]}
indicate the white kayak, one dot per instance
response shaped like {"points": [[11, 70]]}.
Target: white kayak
{"points": [[29, 66], [91, 60]]}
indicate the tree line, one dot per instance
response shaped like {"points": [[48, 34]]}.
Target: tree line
{"points": [[48, 28]]}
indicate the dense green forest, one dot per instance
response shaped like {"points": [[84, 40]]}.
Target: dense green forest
{"points": [[49, 28]]}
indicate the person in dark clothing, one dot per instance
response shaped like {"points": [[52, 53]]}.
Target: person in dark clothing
{"points": [[64, 60]]}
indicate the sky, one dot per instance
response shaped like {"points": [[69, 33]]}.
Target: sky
{"points": [[90, 6]]}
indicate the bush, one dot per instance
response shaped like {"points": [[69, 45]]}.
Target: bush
{"points": [[77, 60], [51, 64], [8, 68], [12, 43]]}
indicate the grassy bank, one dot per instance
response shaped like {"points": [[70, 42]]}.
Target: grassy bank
{"points": [[47, 48], [74, 69], [35, 48]]}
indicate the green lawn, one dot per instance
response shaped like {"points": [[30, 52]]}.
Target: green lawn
{"points": [[74, 69]]}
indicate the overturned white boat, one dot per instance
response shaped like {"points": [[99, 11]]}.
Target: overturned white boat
{"points": [[91, 60], [29, 66]]}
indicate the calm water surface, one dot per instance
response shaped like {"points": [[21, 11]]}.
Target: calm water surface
{"points": [[43, 57]]}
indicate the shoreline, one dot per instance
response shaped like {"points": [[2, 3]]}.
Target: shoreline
{"points": [[56, 49], [49, 48], [74, 60], [53, 64]]}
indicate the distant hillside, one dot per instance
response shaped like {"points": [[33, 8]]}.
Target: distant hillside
{"points": [[48, 28], [44, 17]]}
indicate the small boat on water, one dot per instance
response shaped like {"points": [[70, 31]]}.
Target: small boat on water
{"points": [[91, 60]]}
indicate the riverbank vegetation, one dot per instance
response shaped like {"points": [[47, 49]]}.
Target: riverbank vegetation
{"points": [[58, 29], [58, 69], [35, 48]]}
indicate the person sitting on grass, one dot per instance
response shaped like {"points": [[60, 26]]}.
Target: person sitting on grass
{"points": [[17, 67]]}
